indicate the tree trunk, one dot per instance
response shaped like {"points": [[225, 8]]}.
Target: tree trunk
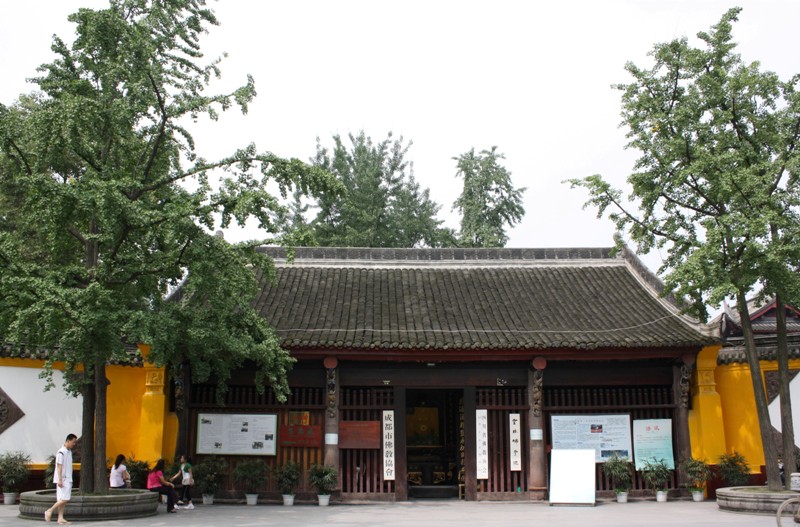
{"points": [[87, 430], [101, 388], [765, 426], [182, 388], [787, 424]]}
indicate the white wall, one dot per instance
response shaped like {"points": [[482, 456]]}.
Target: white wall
{"points": [[49, 416], [775, 409]]}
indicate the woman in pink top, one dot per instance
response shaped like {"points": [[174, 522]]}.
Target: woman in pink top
{"points": [[157, 483]]}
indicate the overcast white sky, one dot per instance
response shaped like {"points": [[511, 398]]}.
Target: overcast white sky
{"points": [[533, 78]]}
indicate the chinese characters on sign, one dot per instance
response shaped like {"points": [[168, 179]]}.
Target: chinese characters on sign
{"points": [[652, 440], [482, 443], [237, 434], [605, 434], [515, 436], [388, 445]]}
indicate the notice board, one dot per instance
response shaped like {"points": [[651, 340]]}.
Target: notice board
{"points": [[237, 434]]}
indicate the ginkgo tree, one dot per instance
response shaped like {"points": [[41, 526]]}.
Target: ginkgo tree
{"points": [[715, 185], [107, 208]]}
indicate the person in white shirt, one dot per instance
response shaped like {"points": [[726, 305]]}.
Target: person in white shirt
{"points": [[119, 478], [62, 477]]}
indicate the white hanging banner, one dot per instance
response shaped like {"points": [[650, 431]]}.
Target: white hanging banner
{"points": [[515, 438], [482, 443], [388, 445]]}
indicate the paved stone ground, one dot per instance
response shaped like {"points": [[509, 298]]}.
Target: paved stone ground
{"points": [[450, 513]]}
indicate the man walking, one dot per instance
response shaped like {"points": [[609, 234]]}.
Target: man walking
{"points": [[62, 477]]}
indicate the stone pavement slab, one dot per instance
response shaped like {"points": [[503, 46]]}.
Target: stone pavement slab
{"points": [[449, 513]]}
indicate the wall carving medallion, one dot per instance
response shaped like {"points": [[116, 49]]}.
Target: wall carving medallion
{"points": [[10, 413]]}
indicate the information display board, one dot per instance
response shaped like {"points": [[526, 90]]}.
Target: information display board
{"points": [[237, 434], [605, 434], [653, 440]]}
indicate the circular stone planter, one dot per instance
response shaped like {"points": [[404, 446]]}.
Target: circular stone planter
{"points": [[752, 500], [116, 505]]}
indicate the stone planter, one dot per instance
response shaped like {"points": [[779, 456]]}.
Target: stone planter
{"points": [[622, 497], [122, 504], [324, 499], [9, 498], [753, 500], [208, 499], [288, 499], [251, 499], [661, 495]]}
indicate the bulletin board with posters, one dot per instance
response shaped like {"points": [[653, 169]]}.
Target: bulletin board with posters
{"points": [[237, 434], [605, 434]]}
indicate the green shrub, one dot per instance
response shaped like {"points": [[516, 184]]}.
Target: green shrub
{"points": [[323, 478], [209, 475], [697, 473], [288, 476], [252, 474], [657, 474], [138, 471], [733, 469], [619, 470], [14, 470]]}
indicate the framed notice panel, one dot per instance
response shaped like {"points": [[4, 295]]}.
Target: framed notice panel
{"points": [[653, 440], [605, 434], [237, 434]]}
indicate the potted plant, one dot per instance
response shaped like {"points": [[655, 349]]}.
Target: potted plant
{"points": [[657, 475], [324, 479], [14, 472], [697, 474], [733, 469], [619, 470], [288, 477], [251, 474], [208, 477]]}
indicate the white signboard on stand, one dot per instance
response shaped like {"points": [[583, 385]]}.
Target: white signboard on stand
{"points": [[572, 477]]}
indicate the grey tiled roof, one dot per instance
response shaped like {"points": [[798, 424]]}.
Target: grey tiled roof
{"points": [[21, 351], [451, 299]]}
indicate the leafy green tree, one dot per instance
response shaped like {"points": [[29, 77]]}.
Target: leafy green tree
{"points": [[716, 182], [489, 202], [107, 208], [383, 206]]}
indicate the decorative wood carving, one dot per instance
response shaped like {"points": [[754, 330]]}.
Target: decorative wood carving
{"points": [[331, 384], [538, 382], [686, 376], [772, 381], [10, 413]]}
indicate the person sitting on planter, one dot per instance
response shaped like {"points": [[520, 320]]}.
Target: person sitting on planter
{"points": [[157, 483], [119, 477]]}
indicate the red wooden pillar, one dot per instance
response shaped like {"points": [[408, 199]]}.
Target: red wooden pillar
{"points": [[537, 466], [470, 445], [331, 448], [401, 452], [681, 378]]}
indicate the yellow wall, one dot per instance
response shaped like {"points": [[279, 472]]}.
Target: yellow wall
{"points": [[705, 418], [124, 402]]}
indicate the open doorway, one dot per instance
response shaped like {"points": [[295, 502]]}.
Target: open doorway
{"points": [[435, 442]]}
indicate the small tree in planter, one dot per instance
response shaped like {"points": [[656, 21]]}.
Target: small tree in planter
{"points": [[208, 477], [619, 470], [288, 476], [733, 469], [657, 475], [252, 475], [14, 472], [697, 474], [324, 479]]}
